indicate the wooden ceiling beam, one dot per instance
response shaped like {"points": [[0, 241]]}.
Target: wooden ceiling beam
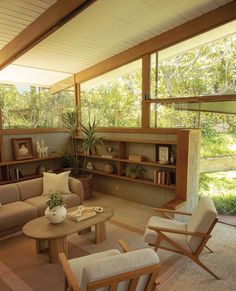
{"points": [[62, 85], [51, 20], [201, 24]]}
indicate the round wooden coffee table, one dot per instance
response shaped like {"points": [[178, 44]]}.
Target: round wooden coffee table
{"points": [[54, 236]]}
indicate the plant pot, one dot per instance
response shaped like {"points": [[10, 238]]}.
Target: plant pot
{"points": [[86, 181], [56, 214]]}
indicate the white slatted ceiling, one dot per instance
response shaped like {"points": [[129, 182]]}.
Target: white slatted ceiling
{"points": [[109, 27], [16, 15]]}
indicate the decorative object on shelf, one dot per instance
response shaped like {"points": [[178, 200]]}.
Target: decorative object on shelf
{"points": [[136, 158], [172, 158], [135, 171], [109, 168], [41, 169], [22, 148], [56, 211], [89, 166], [42, 150], [109, 149], [163, 155]]}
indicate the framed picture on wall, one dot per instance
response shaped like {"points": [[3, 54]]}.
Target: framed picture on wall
{"points": [[163, 154], [22, 148]]}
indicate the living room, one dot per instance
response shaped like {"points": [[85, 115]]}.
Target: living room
{"points": [[107, 100]]}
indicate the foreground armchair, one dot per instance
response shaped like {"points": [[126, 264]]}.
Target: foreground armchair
{"points": [[187, 239], [135, 270]]}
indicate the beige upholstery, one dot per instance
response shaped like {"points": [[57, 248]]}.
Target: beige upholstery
{"points": [[16, 214], [201, 221], [187, 239], [9, 193], [23, 201], [78, 265], [30, 188], [150, 236], [107, 264]]}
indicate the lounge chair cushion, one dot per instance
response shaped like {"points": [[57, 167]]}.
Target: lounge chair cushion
{"points": [[201, 221], [150, 235]]}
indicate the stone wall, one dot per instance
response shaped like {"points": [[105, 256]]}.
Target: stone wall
{"points": [[218, 164]]}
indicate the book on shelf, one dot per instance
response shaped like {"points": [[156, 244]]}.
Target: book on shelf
{"points": [[164, 177]]}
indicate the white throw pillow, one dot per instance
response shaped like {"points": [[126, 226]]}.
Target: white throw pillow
{"points": [[56, 182]]}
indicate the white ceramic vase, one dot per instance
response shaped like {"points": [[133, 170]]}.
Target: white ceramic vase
{"points": [[56, 214]]}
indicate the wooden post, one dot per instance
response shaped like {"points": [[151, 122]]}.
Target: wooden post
{"points": [[145, 90]]}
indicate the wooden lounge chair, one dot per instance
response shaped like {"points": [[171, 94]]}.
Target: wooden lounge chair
{"points": [[136, 270], [187, 239]]}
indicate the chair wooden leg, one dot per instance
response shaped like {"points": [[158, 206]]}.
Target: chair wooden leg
{"points": [[211, 251], [205, 268]]}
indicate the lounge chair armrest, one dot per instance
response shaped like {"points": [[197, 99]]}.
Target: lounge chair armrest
{"points": [[124, 246], [177, 231], [164, 210]]}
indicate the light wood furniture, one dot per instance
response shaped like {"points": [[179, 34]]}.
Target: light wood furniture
{"points": [[188, 239], [5, 178], [54, 236], [133, 277], [184, 142]]}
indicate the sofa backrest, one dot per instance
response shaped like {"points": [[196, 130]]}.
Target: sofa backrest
{"points": [[201, 220], [30, 188], [9, 193]]}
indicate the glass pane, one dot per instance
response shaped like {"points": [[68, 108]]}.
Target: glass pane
{"points": [[114, 98], [175, 115], [207, 69], [33, 107]]}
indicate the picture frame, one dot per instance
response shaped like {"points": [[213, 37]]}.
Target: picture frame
{"points": [[22, 148], [163, 154]]}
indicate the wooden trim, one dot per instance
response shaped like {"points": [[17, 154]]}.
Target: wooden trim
{"points": [[204, 23], [194, 99], [182, 159], [51, 20], [30, 130], [62, 85], [146, 72], [139, 130]]}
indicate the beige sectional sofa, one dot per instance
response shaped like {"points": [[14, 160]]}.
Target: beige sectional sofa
{"points": [[23, 201]]}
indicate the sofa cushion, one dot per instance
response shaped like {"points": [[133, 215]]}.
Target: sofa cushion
{"points": [[30, 188], [76, 187], [39, 202], [16, 214], [9, 193], [56, 182]]}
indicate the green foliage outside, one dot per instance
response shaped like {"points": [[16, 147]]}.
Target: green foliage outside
{"points": [[221, 187], [33, 107]]}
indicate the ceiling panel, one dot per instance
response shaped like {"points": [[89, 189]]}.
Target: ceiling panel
{"points": [[16, 15], [109, 27]]}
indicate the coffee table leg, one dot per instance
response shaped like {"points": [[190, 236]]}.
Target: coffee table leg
{"points": [[57, 246], [100, 232], [41, 245]]}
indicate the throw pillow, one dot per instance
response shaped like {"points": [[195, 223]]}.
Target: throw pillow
{"points": [[56, 182]]}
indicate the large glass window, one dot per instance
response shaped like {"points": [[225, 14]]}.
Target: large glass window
{"points": [[189, 69], [174, 115], [114, 98], [33, 107]]}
